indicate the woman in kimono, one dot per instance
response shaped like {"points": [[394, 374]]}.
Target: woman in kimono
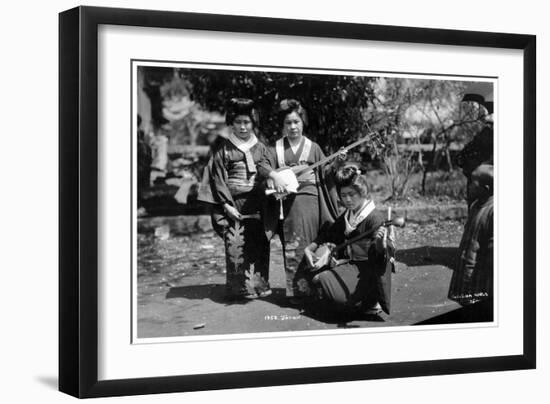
{"points": [[238, 168], [298, 216], [472, 281], [359, 278]]}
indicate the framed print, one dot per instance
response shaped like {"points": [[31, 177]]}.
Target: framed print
{"points": [[251, 201]]}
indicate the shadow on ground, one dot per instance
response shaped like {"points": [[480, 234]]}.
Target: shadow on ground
{"points": [[475, 313], [428, 255], [216, 293], [322, 312]]}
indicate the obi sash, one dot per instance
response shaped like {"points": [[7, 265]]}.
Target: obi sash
{"points": [[237, 178]]}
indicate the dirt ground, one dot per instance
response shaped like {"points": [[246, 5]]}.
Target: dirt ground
{"points": [[181, 279]]}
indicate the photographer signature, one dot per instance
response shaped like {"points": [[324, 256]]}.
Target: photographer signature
{"points": [[281, 317]]}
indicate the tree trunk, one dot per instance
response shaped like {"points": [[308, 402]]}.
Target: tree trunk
{"points": [[430, 167], [449, 161]]}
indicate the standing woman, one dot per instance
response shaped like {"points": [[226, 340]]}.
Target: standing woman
{"points": [[239, 167], [303, 213]]}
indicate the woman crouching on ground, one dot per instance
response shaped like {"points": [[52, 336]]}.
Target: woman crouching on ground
{"points": [[358, 278]]}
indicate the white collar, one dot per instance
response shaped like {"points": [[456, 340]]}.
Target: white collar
{"points": [[352, 220], [243, 145]]}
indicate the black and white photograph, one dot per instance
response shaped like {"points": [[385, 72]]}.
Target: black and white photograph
{"points": [[270, 200], [275, 202]]}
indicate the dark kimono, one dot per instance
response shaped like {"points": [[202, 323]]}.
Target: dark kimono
{"points": [[472, 281], [304, 212], [478, 151], [238, 182], [366, 279]]}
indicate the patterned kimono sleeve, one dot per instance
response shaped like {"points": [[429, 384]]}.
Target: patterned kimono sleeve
{"points": [[218, 180]]}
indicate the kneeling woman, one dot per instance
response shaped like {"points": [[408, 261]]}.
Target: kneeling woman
{"points": [[359, 278]]}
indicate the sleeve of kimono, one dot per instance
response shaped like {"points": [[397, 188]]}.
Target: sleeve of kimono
{"points": [[266, 162], [330, 168], [489, 236], [374, 221], [469, 257], [327, 174], [218, 180], [329, 204], [331, 233], [318, 154]]}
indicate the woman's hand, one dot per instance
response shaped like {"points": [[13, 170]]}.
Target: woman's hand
{"points": [[309, 254], [277, 181], [339, 161], [343, 156], [232, 212]]}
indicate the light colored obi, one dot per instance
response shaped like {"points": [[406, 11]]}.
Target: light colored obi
{"points": [[238, 181]]}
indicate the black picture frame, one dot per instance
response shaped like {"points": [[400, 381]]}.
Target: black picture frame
{"points": [[78, 200]]}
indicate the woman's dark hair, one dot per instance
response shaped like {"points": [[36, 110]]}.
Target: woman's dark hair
{"points": [[288, 106], [350, 176], [484, 175], [241, 106]]}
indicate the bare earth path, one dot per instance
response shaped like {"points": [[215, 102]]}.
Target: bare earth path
{"points": [[181, 283]]}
